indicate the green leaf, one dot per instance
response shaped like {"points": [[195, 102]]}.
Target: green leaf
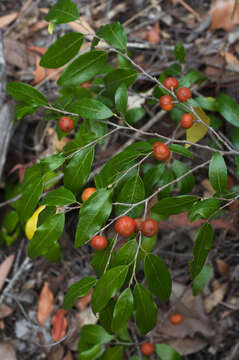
{"points": [[145, 309], [192, 77], [78, 170], [121, 99], [174, 205], [46, 236], [165, 179], [187, 183], [22, 109], [92, 354], [62, 50], [83, 69], [45, 213], [79, 289], [123, 310], [229, 109], [180, 52], [135, 114], [114, 353], [207, 103], [92, 109], [179, 149], [131, 193], [26, 93], [62, 12], [100, 258], [106, 316], [202, 279], [118, 77], [52, 162], [108, 286], [235, 137], [202, 245], [126, 253], [59, 197], [10, 221], [203, 209], [93, 215], [93, 334], [166, 352], [158, 277], [152, 176], [114, 34], [218, 173]]}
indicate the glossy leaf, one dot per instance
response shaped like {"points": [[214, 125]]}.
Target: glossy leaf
{"points": [[121, 99], [59, 197], [84, 68], [10, 221], [46, 236], [113, 353], [202, 245], [106, 316], [92, 109], [187, 183], [78, 169], [203, 209], [229, 109], [218, 173], [94, 334], [93, 353], [22, 109], [145, 309], [165, 179], [30, 197], [179, 149], [192, 77], [79, 289], [123, 310], [93, 215], [158, 277], [174, 205], [63, 12], [114, 34], [26, 93], [119, 76], [180, 52], [107, 287], [126, 253], [166, 352], [152, 177], [62, 50], [52, 162], [135, 114], [202, 279]]}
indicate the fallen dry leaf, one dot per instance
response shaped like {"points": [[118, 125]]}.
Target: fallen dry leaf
{"points": [[5, 267], [153, 35], [215, 297], [223, 15], [45, 304], [39, 26], [7, 351], [83, 302], [231, 60], [5, 311], [187, 346], [7, 19], [59, 323], [16, 54], [222, 267]]}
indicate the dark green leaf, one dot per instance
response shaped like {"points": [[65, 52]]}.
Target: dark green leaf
{"points": [[202, 245], [114, 353], [203, 209], [79, 168], [79, 289], [123, 310], [135, 114], [84, 68], [192, 77], [179, 149], [62, 12], [207, 103], [22, 109], [229, 109], [158, 277], [131, 193], [180, 52], [119, 76], [126, 253], [52, 162], [10, 221], [93, 215], [166, 352], [114, 34], [93, 353], [100, 258], [121, 99], [92, 109], [187, 183], [174, 205], [45, 213], [59, 197], [145, 309], [46, 236], [235, 137], [218, 173], [106, 316], [93, 334], [62, 51], [26, 93], [107, 287], [202, 279], [164, 179], [152, 177], [30, 197]]}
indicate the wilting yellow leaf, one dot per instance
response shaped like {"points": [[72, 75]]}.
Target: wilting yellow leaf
{"points": [[31, 224], [198, 130]]}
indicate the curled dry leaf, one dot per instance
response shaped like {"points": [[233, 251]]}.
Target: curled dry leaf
{"points": [[215, 297], [5, 267], [83, 302], [45, 304], [153, 35], [7, 19], [222, 267], [59, 323], [224, 14]]}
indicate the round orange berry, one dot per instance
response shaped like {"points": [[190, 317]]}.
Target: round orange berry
{"points": [[166, 102], [184, 94], [161, 151], [125, 226], [66, 124], [149, 227], [87, 193], [147, 349], [171, 83], [186, 121], [138, 224], [98, 242], [176, 319]]}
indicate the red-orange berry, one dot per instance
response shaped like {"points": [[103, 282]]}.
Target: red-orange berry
{"points": [[87, 193], [138, 224], [171, 83], [186, 121], [149, 227], [166, 102], [98, 242], [184, 94], [176, 319], [161, 151], [147, 349], [66, 124], [125, 226]]}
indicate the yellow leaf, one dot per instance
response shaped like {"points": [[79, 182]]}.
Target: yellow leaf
{"points": [[198, 130], [31, 223]]}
